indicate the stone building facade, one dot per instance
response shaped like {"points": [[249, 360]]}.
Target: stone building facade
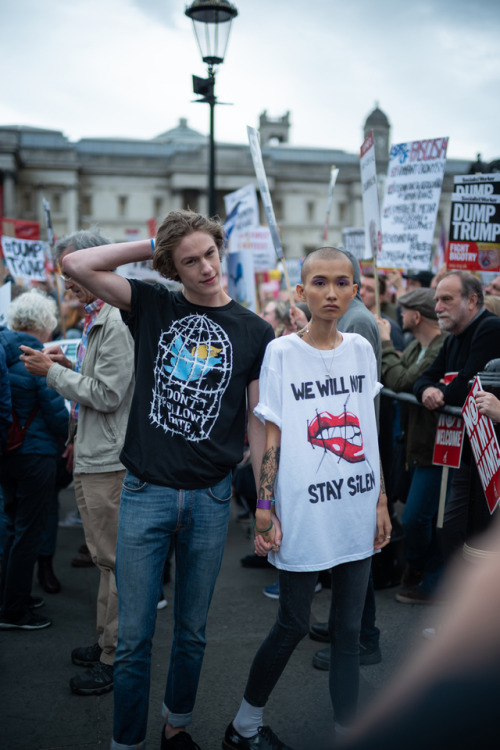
{"points": [[120, 184]]}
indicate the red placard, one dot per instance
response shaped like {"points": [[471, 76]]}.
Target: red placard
{"points": [[449, 441], [484, 446]]}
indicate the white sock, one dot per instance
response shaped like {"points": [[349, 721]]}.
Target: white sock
{"points": [[248, 719]]}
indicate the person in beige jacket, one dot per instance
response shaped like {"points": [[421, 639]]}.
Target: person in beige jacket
{"points": [[99, 386]]}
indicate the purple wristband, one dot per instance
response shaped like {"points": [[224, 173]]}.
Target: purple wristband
{"points": [[264, 504]]}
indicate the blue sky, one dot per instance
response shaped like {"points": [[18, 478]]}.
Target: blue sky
{"points": [[115, 68]]}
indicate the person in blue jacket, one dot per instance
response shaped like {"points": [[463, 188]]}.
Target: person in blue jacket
{"points": [[5, 400], [28, 473]]}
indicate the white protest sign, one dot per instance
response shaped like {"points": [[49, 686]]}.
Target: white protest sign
{"points": [[371, 211], [354, 242], [25, 259], [5, 297], [142, 270], [260, 172], [259, 242], [241, 279], [334, 173], [248, 210], [411, 201], [69, 347]]}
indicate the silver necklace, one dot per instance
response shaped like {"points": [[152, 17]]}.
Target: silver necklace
{"points": [[329, 366]]}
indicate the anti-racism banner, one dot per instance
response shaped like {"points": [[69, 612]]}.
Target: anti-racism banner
{"points": [[25, 259], [449, 441], [411, 200], [474, 241], [354, 241], [484, 446], [371, 211]]}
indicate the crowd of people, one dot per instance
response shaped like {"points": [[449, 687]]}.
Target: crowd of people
{"points": [[172, 394]]}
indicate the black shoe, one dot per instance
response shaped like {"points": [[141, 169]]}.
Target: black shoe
{"points": [[367, 656], [319, 632], [35, 601], [321, 659], [94, 681], [85, 656], [28, 622], [255, 561], [265, 739], [180, 741], [411, 577], [46, 576]]}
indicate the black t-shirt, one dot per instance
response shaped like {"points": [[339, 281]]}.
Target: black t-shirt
{"points": [[192, 366]]}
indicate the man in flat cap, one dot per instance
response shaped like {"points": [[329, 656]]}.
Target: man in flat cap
{"points": [[399, 372], [418, 280]]}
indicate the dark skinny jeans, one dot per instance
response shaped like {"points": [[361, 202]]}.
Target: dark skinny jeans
{"points": [[349, 583]]}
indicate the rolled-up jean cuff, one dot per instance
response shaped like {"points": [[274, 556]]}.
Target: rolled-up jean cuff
{"points": [[118, 746], [176, 720]]}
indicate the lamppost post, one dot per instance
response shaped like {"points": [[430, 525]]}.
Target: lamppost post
{"points": [[212, 23]]}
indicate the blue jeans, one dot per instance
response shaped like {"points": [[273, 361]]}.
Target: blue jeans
{"points": [[349, 582], [151, 519], [422, 547]]}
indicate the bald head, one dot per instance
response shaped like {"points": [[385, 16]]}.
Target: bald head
{"points": [[323, 253]]}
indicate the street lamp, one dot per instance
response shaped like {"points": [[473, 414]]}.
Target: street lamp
{"points": [[212, 23]]}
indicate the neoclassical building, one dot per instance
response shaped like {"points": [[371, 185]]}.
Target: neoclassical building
{"points": [[120, 184]]}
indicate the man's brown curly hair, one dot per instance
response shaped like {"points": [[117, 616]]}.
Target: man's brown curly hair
{"points": [[173, 229]]}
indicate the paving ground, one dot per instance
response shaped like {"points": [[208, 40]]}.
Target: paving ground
{"points": [[39, 712]]}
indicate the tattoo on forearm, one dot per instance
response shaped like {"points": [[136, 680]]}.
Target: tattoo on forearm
{"points": [[382, 481], [268, 472]]}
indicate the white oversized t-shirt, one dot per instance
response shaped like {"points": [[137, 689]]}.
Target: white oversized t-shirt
{"points": [[328, 479]]}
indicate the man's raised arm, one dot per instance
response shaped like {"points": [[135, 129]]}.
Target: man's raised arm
{"points": [[90, 268]]}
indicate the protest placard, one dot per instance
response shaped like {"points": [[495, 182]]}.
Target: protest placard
{"points": [[5, 297], [28, 230], [411, 200], [484, 446], [141, 269], [334, 173], [474, 240], [260, 173], [25, 259], [259, 242], [354, 242], [247, 216], [69, 347], [449, 441], [241, 279], [371, 211]]}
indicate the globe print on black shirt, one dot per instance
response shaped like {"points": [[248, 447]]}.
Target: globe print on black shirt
{"points": [[192, 371]]}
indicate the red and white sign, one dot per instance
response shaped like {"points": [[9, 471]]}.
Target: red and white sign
{"points": [[484, 445], [475, 224], [449, 441], [449, 436]]}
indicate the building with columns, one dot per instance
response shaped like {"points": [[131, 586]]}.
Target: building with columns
{"points": [[120, 184]]}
